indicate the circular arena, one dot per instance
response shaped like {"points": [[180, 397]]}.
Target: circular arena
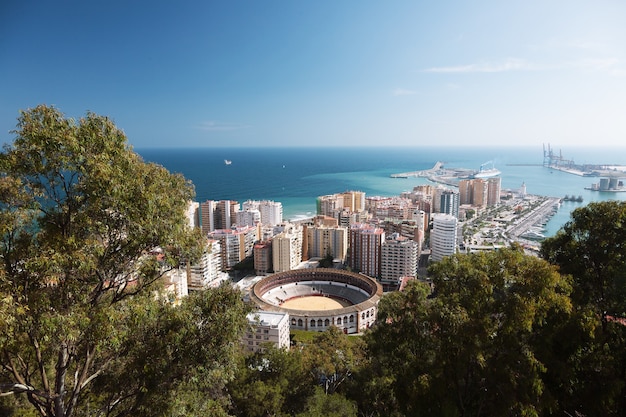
{"points": [[316, 299]]}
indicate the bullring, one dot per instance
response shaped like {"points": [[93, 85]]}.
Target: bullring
{"points": [[357, 293]]}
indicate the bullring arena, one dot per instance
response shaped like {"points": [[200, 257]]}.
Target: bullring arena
{"points": [[317, 299]]}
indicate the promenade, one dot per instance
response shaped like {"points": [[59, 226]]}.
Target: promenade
{"points": [[535, 218]]}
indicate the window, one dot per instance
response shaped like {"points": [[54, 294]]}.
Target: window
{"points": [[351, 319], [312, 323], [326, 322], [339, 320], [299, 322]]}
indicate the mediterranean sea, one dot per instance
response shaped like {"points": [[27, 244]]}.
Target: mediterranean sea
{"points": [[297, 176]]}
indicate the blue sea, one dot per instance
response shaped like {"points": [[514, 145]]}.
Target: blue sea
{"points": [[297, 176]]}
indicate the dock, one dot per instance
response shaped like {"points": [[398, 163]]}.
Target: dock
{"points": [[439, 174], [423, 173]]}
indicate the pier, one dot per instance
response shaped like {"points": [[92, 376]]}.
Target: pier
{"points": [[438, 173], [559, 163], [423, 173]]}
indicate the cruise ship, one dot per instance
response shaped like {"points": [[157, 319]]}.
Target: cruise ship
{"points": [[487, 170]]}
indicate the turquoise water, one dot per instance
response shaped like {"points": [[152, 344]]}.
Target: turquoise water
{"points": [[296, 176]]}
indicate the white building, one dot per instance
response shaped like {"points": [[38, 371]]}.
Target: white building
{"points": [[287, 248], [443, 237], [267, 327], [193, 214], [399, 259], [235, 244], [208, 270], [248, 217], [271, 212]]}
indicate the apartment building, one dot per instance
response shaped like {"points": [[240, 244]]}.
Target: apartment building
{"points": [[267, 328], [208, 269], [365, 248], [322, 240], [217, 215], [287, 248], [443, 236], [236, 244], [399, 259]]}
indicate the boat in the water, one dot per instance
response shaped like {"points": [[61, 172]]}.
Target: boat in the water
{"points": [[227, 162], [487, 170]]}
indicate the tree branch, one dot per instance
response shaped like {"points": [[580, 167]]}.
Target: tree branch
{"points": [[40, 364]]}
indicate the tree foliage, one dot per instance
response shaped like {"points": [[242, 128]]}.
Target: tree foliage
{"points": [[475, 346], [272, 382], [591, 248], [80, 213]]}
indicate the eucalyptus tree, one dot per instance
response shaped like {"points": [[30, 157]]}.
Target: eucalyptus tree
{"points": [[476, 346], [591, 248], [82, 218]]}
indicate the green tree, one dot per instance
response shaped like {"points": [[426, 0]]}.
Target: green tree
{"points": [[327, 261], [474, 347], [321, 404], [272, 382], [332, 358], [80, 217], [591, 247], [178, 359]]}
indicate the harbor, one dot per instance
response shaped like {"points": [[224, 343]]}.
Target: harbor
{"points": [[451, 176], [557, 162]]}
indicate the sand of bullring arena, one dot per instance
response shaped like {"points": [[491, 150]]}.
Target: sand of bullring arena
{"points": [[314, 303]]}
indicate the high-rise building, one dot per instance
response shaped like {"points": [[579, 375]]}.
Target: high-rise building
{"points": [[480, 192], [287, 248], [248, 217], [353, 200], [322, 240], [493, 191], [208, 269], [449, 202], [465, 192], [345, 207], [263, 257], [421, 222], [443, 236], [329, 205], [271, 211], [235, 244], [399, 259], [218, 215], [365, 248], [193, 215]]}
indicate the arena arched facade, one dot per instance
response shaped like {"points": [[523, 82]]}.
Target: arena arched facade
{"points": [[359, 293]]}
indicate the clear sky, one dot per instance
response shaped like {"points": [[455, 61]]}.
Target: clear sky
{"points": [[317, 72]]}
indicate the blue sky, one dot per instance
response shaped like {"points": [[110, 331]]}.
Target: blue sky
{"points": [[308, 73]]}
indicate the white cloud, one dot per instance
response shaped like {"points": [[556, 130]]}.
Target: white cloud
{"points": [[597, 64], [511, 64], [403, 92], [215, 126]]}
